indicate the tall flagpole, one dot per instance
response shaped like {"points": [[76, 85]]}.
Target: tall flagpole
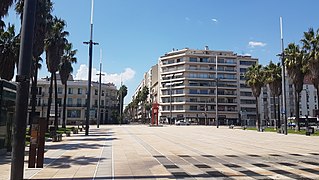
{"points": [[283, 73], [100, 86], [91, 43], [217, 120]]}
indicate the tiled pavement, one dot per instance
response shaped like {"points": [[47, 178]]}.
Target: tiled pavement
{"points": [[171, 152]]}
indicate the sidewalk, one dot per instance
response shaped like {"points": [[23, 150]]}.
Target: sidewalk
{"points": [[176, 152], [78, 157]]}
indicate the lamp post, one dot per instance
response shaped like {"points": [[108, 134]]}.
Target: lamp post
{"points": [[170, 92], [90, 43], [282, 55], [99, 98], [216, 111], [307, 107], [23, 80]]}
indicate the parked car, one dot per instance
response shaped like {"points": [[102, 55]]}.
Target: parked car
{"points": [[182, 122]]}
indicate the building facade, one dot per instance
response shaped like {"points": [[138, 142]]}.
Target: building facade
{"points": [[191, 82], [76, 101]]}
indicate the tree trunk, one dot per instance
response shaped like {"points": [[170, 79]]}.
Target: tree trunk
{"points": [[49, 101], [257, 115], [278, 111], [297, 110], [56, 103], [33, 97], [64, 105]]}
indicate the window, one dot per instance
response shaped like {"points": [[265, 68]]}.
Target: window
{"points": [[203, 91], [102, 103], [79, 102], [79, 90], [39, 90], [247, 63], [73, 113], [103, 93], [59, 101], [95, 102], [60, 90], [193, 91], [70, 101], [193, 59], [70, 91], [193, 108], [96, 92]]}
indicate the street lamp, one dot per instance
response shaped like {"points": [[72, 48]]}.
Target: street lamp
{"points": [[283, 79], [99, 98], [90, 43], [307, 107], [216, 110], [23, 80], [170, 92]]}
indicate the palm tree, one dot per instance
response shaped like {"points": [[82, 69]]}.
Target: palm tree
{"points": [[273, 79], [144, 95], [255, 79], [295, 62], [311, 46], [54, 47], [65, 69], [4, 7], [122, 93], [9, 56]]}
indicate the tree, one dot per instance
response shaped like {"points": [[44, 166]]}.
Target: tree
{"points": [[295, 62], [65, 69], [122, 92], [143, 97], [273, 79], [9, 56], [4, 9], [54, 47], [255, 79], [311, 47]]}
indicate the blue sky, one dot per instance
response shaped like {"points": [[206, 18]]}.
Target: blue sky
{"points": [[134, 34]]}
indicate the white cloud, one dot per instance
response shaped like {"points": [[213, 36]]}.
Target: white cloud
{"points": [[126, 75], [254, 44], [215, 20]]}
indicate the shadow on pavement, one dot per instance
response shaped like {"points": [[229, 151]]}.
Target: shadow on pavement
{"points": [[93, 139], [67, 161], [74, 146]]}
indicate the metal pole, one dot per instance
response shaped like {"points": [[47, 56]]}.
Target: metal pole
{"points": [[217, 123], [284, 113], [99, 98], [100, 86], [91, 43], [121, 102], [170, 92], [23, 79]]}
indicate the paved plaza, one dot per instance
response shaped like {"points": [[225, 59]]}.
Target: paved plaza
{"points": [[176, 152]]}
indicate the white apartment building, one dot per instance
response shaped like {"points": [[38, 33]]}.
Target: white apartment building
{"points": [[77, 99], [307, 105], [187, 86]]}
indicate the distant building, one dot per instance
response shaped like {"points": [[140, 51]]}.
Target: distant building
{"points": [[307, 105], [188, 87], [76, 101]]}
